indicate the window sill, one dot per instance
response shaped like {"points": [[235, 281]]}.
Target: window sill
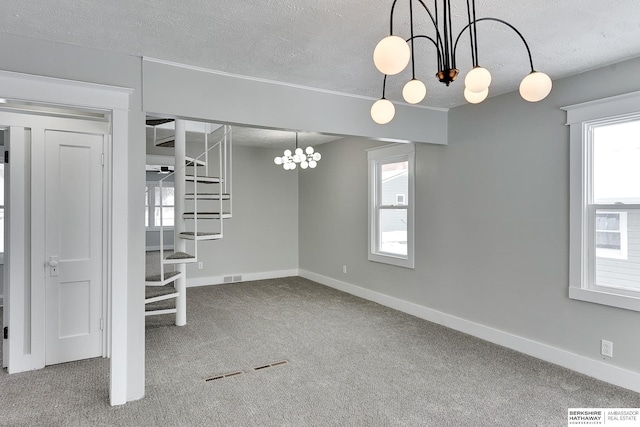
{"points": [[606, 298], [392, 260]]}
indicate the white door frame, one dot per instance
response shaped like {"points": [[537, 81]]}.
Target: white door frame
{"points": [[115, 101]]}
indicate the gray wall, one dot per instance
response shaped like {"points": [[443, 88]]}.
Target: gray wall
{"points": [[262, 236], [492, 222]]}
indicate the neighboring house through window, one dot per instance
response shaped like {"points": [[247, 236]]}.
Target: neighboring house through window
{"points": [[391, 204], [605, 201], [611, 234]]}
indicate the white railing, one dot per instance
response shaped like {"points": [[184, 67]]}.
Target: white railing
{"points": [[224, 149]]}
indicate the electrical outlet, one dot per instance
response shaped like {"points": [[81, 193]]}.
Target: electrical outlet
{"points": [[200, 265], [344, 269], [606, 348]]}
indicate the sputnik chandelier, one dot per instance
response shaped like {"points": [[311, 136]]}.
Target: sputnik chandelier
{"points": [[392, 55], [308, 158]]}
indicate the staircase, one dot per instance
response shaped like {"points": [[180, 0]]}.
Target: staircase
{"points": [[202, 202]]}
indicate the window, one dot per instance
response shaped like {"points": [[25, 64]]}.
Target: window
{"points": [[605, 201], [391, 204], [159, 204], [1, 212]]}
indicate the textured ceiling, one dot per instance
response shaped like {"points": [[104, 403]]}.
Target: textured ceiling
{"points": [[250, 137], [328, 44]]}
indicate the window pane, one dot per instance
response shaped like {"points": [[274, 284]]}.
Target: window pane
{"points": [[1, 230], [2, 184], [167, 196], [394, 183], [608, 221], [608, 240], [393, 231], [617, 240], [167, 217], [616, 163], [146, 216]]}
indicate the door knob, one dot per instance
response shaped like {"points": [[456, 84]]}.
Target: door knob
{"points": [[53, 263]]}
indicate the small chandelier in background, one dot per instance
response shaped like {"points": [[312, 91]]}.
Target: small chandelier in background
{"points": [[392, 55], [307, 158]]}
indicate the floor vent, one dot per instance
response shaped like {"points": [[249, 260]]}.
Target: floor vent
{"points": [[270, 365], [219, 377]]}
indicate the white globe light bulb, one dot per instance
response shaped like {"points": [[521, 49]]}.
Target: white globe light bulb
{"points": [[309, 150], [475, 97], [316, 156], [277, 160], [312, 164], [382, 111], [535, 86], [478, 79], [304, 164], [287, 153], [298, 150], [414, 91], [391, 55], [292, 166]]}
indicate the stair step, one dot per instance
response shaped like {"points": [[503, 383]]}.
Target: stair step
{"points": [[158, 122], [179, 258], [169, 141], [207, 215], [167, 306], [202, 235], [208, 196], [156, 291], [189, 161], [157, 280], [204, 179], [158, 312]]}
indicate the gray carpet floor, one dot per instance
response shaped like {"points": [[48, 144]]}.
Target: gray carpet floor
{"points": [[351, 362]]}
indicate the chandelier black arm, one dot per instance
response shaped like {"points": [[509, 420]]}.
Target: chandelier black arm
{"points": [[422, 36], [526, 45], [384, 86], [439, 44]]}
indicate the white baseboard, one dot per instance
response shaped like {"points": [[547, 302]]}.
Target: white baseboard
{"points": [[584, 365], [245, 277]]}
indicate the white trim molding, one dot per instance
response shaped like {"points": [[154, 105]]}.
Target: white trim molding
{"points": [[583, 119], [115, 101], [193, 282], [575, 362]]}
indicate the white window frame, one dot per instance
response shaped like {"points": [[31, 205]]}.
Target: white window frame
{"points": [[152, 185], [390, 154], [2, 206], [582, 118], [623, 252]]}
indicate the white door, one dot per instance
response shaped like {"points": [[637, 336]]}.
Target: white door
{"points": [[73, 248]]}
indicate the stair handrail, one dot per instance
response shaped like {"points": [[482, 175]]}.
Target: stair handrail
{"points": [[222, 189]]}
